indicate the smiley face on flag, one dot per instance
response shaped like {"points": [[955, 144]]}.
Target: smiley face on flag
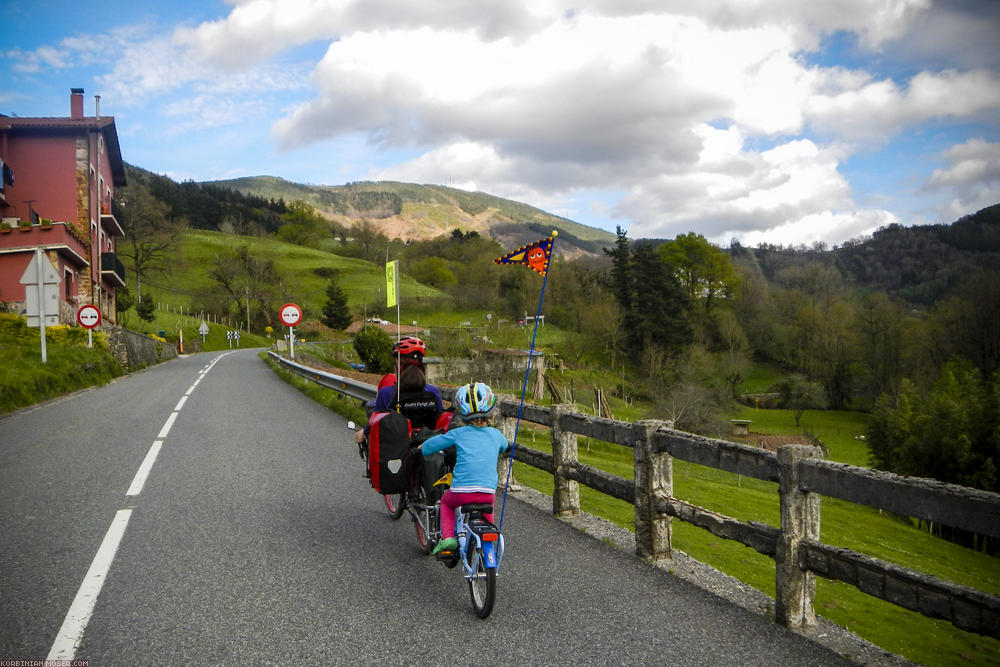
{"points": [[535, 255]]}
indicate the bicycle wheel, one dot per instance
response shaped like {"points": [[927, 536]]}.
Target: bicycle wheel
{"points": [[395, 504], [430, 515], [483, 584]]}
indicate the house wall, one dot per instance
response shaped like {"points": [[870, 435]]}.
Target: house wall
{"points": [[43, 171]]}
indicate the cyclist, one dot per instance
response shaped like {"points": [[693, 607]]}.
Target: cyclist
{"points": [[413, 397], [478, 445]]}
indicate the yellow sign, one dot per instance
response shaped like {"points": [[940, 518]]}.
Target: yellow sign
{"points": [[391, 283]]}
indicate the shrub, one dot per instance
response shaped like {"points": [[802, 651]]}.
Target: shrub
{"points": [[374, 348]]}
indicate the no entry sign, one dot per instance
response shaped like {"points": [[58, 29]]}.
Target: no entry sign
{"points": [[290, 314], [88, 316]]}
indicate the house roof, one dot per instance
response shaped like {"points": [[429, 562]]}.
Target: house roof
{"points": [[104, 124]]}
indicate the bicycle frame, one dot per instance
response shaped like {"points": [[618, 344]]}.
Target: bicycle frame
{"points": [[480, 550]]}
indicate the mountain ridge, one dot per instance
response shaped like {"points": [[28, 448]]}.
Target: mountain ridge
{"points": [[418, 212]]}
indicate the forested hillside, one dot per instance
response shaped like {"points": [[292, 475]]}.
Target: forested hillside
{"points": [[917, 264]]}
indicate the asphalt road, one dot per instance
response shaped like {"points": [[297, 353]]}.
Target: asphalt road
{"points": [[254, 539]]}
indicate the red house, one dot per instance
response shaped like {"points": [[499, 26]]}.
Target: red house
{"points": [[57, 193]]}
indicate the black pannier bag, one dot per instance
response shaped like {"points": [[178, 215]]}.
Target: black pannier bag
{"points": [[389, 452]]}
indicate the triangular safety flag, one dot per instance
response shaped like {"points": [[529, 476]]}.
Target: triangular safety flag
{"points": [[535, 255]]}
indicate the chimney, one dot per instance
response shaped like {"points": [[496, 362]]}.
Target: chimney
{"points": [[76, 102], [97, 105]]}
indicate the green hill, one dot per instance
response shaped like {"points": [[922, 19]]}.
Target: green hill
{"points": [[187, 281], [412, 212]]}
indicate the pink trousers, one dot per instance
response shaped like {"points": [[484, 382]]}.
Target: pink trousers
{"points": [[450, 501]]}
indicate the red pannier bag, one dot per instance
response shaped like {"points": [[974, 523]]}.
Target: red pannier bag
{"points": [[389, 452]]}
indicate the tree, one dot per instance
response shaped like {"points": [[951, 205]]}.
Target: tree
{"points": [[146, 310], [302, 225], [820, 317], [947, 432], [433, 271], [967, 323], [252, 282], [374, 348], [798, 394], [704, 271], [879, 323], [652, 302], [736, 357], [150, 230], [123, 301], [371, 241], [336, 314]]}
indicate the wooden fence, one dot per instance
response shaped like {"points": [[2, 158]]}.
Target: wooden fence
{"points": [[802, 477]]}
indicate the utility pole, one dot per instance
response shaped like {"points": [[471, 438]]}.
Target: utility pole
{"points": [[248, 308]]}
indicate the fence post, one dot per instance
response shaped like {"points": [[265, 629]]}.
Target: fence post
{"points": [[566, 492], [795, 588], [654, 477], [506, 425]]}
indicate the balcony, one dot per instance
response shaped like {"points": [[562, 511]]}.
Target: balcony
{"points": [[58, 236], [111, 213], [112, 270]]}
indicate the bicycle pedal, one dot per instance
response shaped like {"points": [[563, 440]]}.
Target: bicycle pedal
{"points": [[444, 555]]}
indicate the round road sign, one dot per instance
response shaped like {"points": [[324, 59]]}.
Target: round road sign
{"points": [[290, 314], [88, 316]]}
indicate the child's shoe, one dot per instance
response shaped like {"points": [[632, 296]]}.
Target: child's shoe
{"points": [[449, 544]]}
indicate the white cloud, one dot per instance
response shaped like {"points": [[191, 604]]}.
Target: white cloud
{"points": [[973, 177], [880, 109]]}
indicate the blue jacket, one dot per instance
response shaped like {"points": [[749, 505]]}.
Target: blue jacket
{"points": [[478, 448]]}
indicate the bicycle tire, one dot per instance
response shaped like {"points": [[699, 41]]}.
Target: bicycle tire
{"points": [[423, 539], [395, 504], [483, 584]]}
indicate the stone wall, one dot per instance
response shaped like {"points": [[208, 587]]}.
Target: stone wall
{"points": [[135, 350]]}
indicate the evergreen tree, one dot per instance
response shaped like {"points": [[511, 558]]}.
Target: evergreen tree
{"points": [[653, 303], [336, 314]]}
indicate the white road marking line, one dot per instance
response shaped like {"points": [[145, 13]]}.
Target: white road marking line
{"points": [[166, 426], [180, 404], [71, 633], [143, 472]]}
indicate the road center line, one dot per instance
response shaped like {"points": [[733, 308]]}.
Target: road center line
{"points": [[180, 404], [166, 426], [71, 633], [143, 472]]}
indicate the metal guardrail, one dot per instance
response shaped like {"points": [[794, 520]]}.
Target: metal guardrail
{"points": [[359, 390]]}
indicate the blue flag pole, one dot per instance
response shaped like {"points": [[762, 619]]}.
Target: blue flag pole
{"points": [[524, 387]]}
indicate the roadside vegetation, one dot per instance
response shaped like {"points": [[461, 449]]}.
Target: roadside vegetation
{"points": [[70, 364]]}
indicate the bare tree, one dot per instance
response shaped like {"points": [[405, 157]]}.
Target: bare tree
{"points": [[150, 231]]}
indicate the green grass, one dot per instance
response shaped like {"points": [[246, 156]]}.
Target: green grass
{"points": [[70, 365], [364, 282], [837, 430], [843, 524]]}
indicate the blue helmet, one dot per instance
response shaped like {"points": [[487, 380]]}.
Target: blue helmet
{"points": [[473, 401]]}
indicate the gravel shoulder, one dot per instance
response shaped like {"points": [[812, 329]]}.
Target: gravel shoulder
{"points": [[830, 635]]}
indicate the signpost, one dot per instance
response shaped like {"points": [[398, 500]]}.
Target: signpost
{"points": [[203, 330], [89, 317], [41, 295], [231, 336], [290, 315]]}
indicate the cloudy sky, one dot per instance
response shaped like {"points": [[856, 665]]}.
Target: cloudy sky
{"points": [[777, 121]]}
